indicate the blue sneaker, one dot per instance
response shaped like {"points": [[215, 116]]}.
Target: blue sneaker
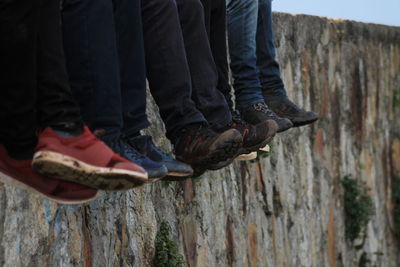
{"points": [[155, 170], [144, 145]]}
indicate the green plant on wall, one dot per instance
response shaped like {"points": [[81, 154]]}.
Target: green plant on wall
{"points": [[396, 202], [396, 98], [166, 250], [166, 183], [358, 208]]}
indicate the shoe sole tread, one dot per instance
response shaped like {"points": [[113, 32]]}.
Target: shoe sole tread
{"points": [[6, 179], [63, 167]]}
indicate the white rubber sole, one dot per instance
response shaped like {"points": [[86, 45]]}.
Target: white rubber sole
{"points": [[4, 178], [179, 174], [249, 156], [63, 167], [265, 148]]}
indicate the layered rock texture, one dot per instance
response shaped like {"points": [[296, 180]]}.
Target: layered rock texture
{"points": [[282, 210]]}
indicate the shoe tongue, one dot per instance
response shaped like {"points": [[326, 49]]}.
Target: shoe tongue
{"points": [[133, 152], [120, 146], [189, 129], [145, 145], [114, 142], [195, 126], [237, 118], [138, 142], [146, 139]]}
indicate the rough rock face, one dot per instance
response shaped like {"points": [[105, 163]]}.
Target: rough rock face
{"points": [[283, 210]]}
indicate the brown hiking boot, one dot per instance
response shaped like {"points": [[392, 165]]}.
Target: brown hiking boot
{"points": [[254, 137], [285, 108], [259, 112], [200, 146]]}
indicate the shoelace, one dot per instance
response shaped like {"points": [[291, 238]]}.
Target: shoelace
{"points": [[198, 133], [125, 150], [264, 108], [152, 147], [131, 152], [237, 119]]}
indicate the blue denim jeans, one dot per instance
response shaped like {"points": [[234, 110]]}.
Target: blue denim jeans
{"points": [[242, 26], [103, 43], [252, 51], [270, 75]]}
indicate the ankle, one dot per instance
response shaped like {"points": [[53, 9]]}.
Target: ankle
{"points": [[132, 135], [189, 127], [68, 133], [279, 92]]}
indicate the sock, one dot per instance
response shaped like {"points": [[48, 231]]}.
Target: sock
{"points": [[68, 130]]}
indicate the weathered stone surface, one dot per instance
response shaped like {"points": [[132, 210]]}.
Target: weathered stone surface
{"points": [[285, 210]]}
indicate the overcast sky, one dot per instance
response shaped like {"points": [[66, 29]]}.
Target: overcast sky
{"points": [[377, 11]]}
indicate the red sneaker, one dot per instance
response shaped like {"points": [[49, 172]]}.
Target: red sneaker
{"points": [[19, 173], [85, 160]]}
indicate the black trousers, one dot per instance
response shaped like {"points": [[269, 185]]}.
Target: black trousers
{"points": [[34, 89], [215, 21], [180, 66], [103, 42]]}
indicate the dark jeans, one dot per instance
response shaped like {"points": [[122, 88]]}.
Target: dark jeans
{"points": [[210, 101], [34, 85], [270, 74], [180, 67], [103, 42], [252, 50], [215, 21], [242, 26]]}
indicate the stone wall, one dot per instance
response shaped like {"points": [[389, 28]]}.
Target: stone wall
{"points": [[282, 210]]}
